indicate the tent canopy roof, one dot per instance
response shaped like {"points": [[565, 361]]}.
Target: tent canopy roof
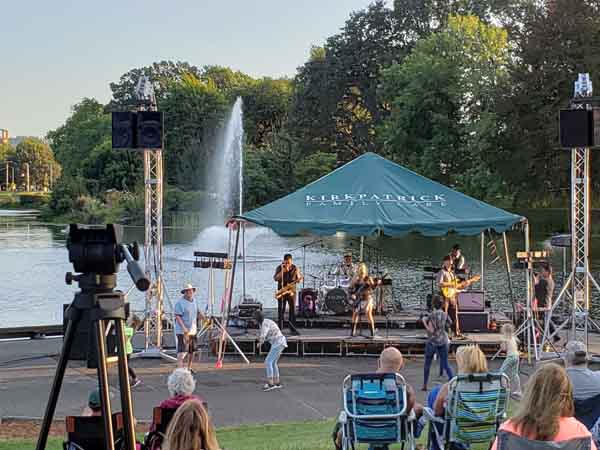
{"points": [[374, 195]]}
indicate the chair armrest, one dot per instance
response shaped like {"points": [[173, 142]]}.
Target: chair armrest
{"points": [[430, 416], [343, 417]]}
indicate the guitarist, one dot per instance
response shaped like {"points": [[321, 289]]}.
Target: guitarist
{"points": [[446, 278], [287, 274], [361, 288]]}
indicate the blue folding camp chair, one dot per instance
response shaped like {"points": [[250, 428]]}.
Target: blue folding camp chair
{"points": [[476, 407], [588, 411], [375, 411]]}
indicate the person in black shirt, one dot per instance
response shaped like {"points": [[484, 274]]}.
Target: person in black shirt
{"points": [[544, 289], [287, 274]]}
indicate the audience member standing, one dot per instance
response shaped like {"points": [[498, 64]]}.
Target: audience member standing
{"points": [[437, 340], [510, 366], [270, 332], [186, 326], [546, 411]]}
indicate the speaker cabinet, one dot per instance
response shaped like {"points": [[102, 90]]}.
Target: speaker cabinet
{"points": [[576, 128], [124, 125], [473, 321], [472, 301], [150, 129]]}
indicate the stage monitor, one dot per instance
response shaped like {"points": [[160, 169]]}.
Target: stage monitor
{"points": [[471, 301]]}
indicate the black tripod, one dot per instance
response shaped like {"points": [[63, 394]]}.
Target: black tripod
{"points": [[90, 249]]}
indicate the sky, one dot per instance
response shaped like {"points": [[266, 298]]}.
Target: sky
{"points": [[54, 53]]}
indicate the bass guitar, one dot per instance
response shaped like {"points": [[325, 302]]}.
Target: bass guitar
{"points": [[458, 286]]}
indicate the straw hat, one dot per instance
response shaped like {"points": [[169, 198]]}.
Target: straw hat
{"points": [[187, 287]]}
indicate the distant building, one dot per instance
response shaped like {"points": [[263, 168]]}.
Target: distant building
{"points": [[3, 136]]}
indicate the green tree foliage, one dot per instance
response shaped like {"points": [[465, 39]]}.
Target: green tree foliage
{"points": [[40, 158], [266, 105], [335, 106], [65, 193], [443, 122], [227, 80], [558, 41], [7, 152], [193, 111]]}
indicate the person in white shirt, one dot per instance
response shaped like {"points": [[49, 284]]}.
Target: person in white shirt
{"points": [[270, 332]]}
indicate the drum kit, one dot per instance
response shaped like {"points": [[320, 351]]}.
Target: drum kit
{"points": [[330, 294]]}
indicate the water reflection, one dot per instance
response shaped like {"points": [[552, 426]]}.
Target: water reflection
{"points": [[34, 260]]}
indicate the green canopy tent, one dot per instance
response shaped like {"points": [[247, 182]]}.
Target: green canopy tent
{"points": [[372, 195]]}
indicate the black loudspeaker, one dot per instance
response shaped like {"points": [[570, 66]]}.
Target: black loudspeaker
{"points": [[124, 129], [473, 321], [150, 129], [576, 128]]}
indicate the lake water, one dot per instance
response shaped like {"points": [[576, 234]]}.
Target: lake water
{"points": [[34, 260]]}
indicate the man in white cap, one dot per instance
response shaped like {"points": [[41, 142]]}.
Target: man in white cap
{"points": [[586, 382], [186, 326]]}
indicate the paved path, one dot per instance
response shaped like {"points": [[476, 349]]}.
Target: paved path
{"points": [[312, 385]]}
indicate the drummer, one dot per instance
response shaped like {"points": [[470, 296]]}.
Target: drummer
{"points": [[346, 268]]}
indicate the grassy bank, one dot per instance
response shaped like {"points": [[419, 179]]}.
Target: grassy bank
{"points": [[23, 200], [314, 435]]}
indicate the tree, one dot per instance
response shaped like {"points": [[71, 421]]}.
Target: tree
{"points": [[443, 122], [161, 74], [193, 110], [335, 106], [39, 158], [559, 39], [266, 106]]}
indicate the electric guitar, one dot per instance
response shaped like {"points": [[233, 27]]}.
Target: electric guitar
{"points": [[459, 286], [355, 298]]}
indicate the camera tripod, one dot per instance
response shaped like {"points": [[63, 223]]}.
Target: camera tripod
{"points": [[96, 252]]}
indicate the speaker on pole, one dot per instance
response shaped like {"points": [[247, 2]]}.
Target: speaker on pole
{"points": [[123, 129], [576, 128], [150, 129]]}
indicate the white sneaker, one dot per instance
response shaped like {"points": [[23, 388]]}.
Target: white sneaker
{"points": [[137, 382], [269, 387]]}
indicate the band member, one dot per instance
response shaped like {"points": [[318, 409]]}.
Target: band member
{"points": [[287, 274], [346, 268], [458, 260], [446, 280], [362, 287]]}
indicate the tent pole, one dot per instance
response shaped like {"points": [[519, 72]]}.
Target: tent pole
{"points": [[243, 261], [362, 248], [482, 260], [510, 286]]}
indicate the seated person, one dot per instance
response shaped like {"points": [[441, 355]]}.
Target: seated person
{"points": [[94, 407], [586, 382], [390, 361], [546, 411], [191, 429], [469, 359], [181, 385]]}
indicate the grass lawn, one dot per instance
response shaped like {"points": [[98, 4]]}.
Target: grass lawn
{"points": [[314, 435]]}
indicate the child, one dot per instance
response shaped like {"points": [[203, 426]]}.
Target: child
{"points": [[270, 332], [510, 366], [133, 323]]}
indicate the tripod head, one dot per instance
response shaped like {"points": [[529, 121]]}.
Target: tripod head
{"points": [[97, 251]]}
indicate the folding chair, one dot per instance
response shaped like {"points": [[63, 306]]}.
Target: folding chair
{"points": [[588, 411], [161, 417], [87, 433], [476, 407], [375, 411], [511, 441]]}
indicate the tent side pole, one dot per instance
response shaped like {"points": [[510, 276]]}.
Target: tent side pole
{"points": [[243, 261], [362, 248], [508, 274], [482, 260]]}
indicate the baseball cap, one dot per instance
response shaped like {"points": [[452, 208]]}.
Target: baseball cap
{"points": [[576, 352], [94, 399]]}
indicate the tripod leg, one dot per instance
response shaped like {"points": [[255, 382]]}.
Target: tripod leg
{"points": [[74, 316], [103, 382], [228, 336], [126, 403]]}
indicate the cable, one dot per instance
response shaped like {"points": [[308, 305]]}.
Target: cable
{"points": [[28, 358]]}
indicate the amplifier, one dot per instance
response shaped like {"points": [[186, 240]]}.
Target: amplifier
{"points": [[247, 309], [473, 321], [471, 301]]}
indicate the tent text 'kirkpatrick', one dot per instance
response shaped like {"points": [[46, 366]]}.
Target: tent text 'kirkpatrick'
{"points": [[366, 199]]}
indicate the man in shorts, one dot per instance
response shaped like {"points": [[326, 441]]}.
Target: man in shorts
{"points": [[186, 327]]}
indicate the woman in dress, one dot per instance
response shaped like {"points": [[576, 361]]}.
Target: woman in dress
{"points": [[361, 289]]}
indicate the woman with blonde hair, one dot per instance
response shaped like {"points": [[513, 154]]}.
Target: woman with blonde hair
{"points": [[546, 410], [361, 289], [191, 429], [469, 359]]}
